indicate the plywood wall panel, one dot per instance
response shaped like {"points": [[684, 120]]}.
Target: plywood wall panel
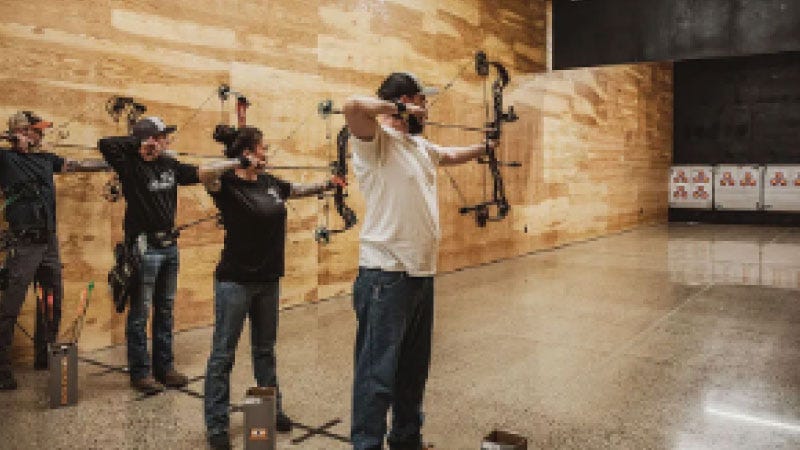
{"points": [[594, 143]]}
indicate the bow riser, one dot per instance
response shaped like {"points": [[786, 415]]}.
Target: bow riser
{"points": [[338, 169]]}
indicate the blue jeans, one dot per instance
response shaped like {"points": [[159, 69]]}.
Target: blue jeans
{"points": [[392, 357], [159, 279], [232, 303]]}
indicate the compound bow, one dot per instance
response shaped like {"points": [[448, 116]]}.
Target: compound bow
{"points": [[338, 169], [492, 132], [116, 107]]}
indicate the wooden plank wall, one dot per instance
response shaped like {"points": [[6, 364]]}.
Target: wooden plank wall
{"points": [[595, 143], [595, 146]]}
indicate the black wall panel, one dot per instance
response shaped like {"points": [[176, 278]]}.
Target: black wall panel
{"points": [[734, 217], [738, 110], [598, 32], [766, 26]]}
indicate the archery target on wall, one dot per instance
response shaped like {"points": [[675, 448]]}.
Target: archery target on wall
{"points": [[690, 187], [782, 188], [738, 187]]}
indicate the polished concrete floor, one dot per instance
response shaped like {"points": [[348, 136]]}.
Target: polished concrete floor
{"points": [[672, 336]]}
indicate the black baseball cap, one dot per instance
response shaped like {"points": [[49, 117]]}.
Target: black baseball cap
{"points": [[399, 84], [151, 126]]}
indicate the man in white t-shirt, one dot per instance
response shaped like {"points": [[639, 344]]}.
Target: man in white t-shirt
{"points": [[393, 293]]}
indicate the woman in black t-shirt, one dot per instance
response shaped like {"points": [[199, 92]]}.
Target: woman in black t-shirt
{"points": [[252, 204]]}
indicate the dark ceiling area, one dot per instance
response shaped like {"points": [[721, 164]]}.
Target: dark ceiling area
{"points": [[600, 32]]}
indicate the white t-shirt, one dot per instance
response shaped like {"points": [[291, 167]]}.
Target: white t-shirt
{"points": [[397, 175]]}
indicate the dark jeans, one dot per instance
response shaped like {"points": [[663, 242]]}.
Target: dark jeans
{"points": [[27, 262], [159, 279], [392, 356], [233, 302]]}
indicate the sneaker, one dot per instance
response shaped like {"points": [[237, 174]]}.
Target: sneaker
{"points": [[219, 441], [147, 386], [174, 379], [7, 381], [283, 423]]}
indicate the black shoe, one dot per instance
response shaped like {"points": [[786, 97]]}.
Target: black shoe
{"points": [[173, 379], [147, 386], [283, 423], [219, 441], [7, 381]]}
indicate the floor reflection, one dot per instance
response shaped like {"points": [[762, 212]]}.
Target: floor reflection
{"points": [[698, 261]]}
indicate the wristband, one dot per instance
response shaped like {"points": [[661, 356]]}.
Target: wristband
{"points": [[244, 162], [401, 107]]}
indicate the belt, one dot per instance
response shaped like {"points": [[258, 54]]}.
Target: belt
{"points": [[162, 239], [31, 235]]}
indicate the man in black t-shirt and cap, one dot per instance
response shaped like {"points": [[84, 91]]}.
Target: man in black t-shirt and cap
{"points": [[149, 182], [26, 178]]}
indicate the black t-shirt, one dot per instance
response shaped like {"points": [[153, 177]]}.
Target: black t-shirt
{"points": [[150, 187], [254, 214], [27, 183]]}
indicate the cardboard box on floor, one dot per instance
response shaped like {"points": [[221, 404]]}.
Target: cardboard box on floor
{"points": [[62, 386], [259, 419], [502, 440]]}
